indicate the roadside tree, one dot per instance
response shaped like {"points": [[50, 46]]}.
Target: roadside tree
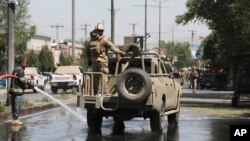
{"points": [[33, 59], [46, 59], [24, 31]]}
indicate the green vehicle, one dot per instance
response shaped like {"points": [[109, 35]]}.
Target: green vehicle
{"points": [[140, 86]]}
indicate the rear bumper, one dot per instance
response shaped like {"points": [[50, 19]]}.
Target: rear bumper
{"points": [[111, 102], [62, 84]]}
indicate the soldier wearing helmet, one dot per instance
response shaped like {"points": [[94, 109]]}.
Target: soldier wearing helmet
{"points": [[97, 55]]}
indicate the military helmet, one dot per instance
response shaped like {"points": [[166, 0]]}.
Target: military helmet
{"points": [[99, 26]]}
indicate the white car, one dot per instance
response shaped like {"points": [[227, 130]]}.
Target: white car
{"points": [[35, 76], [67, 77]]}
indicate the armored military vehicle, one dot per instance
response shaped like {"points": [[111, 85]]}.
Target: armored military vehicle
{"points": [[141, 85]]}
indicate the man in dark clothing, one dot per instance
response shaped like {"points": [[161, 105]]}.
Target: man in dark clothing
{"points": [[16, 91]]}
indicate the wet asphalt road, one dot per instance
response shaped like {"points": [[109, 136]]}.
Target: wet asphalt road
{"points": [[60, 125]]}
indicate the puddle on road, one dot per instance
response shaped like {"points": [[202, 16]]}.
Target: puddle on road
{"points": [[62, 126]]}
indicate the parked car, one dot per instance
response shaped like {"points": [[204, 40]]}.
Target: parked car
{"points": [[217, 81], [3, 82], [67, 77], [35, 76], [139, 87], [208, 81]]}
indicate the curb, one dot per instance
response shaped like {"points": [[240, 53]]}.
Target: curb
{"points": [[5, 116]]}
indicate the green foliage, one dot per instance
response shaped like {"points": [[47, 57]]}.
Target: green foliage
{"points": [[229, 19], [23, 30], [65, 59], [181, 50], [46, 59], [26, 103], [2, 108], [33, 60]]}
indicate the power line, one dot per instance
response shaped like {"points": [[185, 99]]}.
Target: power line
{"points": [[57, 28]]}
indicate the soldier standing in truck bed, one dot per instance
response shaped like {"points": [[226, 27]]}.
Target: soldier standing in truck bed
{"points": [[97, 56]]}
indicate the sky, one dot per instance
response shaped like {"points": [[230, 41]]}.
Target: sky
{"points": [[45, 13]]}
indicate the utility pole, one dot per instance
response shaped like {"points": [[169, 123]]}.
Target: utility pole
{"points": [[57, 37], [11, 40], [85, 30], [112, 22], [145, 32], [133, 26], [160, 2], [73, 28], [192, 38], [172, 42]]}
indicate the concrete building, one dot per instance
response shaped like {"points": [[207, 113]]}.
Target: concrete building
{"points": [[38, 41]]}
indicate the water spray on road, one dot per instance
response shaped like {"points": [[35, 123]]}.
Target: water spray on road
{"points": [[81, 118]]}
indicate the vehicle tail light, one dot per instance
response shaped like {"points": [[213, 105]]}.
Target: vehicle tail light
{"points": [[32, 77], [74, 77]]}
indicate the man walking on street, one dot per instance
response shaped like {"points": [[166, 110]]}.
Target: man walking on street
{"points": [[194, 76], [16, 91]]}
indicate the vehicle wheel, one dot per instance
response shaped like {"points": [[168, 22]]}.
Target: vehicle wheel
{"points": [[157, 119], [118, 127], [94, 120], [202, 87], [79, 86], [54, 89], [134, 85], [173, 119], [74, 89], [34, 91], [235, 100]]}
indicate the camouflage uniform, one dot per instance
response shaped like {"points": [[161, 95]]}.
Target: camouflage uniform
{"points": [[17, 87], [97, 53], [194, 75]]}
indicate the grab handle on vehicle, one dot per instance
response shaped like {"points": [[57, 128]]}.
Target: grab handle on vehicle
{"points": [[108, 109]]}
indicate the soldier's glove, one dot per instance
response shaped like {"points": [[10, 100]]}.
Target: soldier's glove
{"points": [[89, 63], [124, 54]]}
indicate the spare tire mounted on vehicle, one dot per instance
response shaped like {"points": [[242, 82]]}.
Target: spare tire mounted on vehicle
{"points": [[133, 85]]}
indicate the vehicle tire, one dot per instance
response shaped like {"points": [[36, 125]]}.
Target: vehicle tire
{"points": [[235, 100], [54, 90], [118, 126], [157, 119], [79, 86], [173, 119], [34, 91], [133, 85], [74, 89], [94, 120]]}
